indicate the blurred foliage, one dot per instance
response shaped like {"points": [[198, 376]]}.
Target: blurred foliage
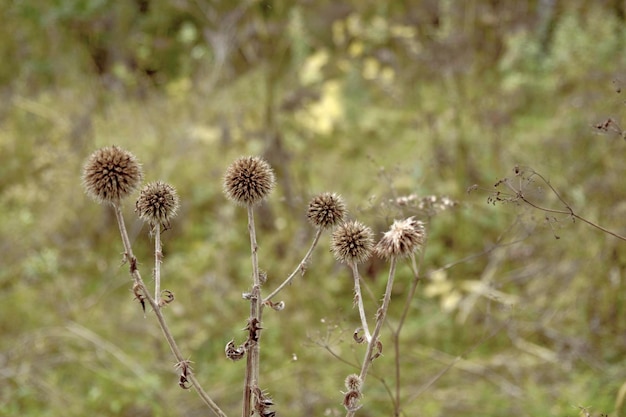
{"points": [[373, 100]]}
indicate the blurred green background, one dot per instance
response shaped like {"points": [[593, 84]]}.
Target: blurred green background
{"points": [[370, 99]]}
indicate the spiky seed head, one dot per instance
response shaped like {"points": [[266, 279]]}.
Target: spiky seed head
{"points": [[353, 382], [111, 174], [326, 210], [352, 242], [248, 180], [403, 238], [157, 203]]}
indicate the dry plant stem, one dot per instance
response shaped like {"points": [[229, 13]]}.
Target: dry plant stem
{"points": [[569, 211], [158, 255], [130, 257], [252, 358], [380, 320], [300, 268], [358, 298], [415, 266]]}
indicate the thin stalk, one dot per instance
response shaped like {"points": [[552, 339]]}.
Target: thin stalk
{"points": [[415, 267], [158, 256], [300, 268], [253, 356], [358, 299], [130, 257]]}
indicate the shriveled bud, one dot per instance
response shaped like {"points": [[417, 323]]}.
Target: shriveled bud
{"points": [[248, 180], [403, 238], [111, 174], [351, 400], [352, 242], [158, 203], [326, 210], [234, 353]]}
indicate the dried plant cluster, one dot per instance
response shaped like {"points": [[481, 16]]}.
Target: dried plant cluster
{"points": [[111, 174]]}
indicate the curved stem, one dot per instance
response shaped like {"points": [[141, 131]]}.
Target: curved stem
{"points": [[300, 268], [415, 267]]}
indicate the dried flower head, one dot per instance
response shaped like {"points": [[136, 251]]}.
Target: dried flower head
{"points": [[352, 242], [326, 210], [157, 203], [403, 238], [353, 382], [111, 174], [248, 180]]}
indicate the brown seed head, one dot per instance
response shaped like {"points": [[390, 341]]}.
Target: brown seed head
{"points": [[158, 203], [111, 174], [248, 180], [403, 238], [326, 210], [352, 242], [353, 382]]}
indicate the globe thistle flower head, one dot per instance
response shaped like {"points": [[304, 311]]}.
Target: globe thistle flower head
{"points": [[326, 210], [111, 174], [352, 242], [248, 180], [403, 238], [158, 203]]}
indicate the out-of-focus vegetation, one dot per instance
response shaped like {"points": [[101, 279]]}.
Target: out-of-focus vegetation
{"points": [[373, 100]]}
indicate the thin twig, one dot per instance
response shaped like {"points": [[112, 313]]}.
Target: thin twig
{"points": [[568, 212], [415, 266]]}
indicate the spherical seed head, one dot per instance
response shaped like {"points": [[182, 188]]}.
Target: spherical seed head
{"points": [[352, 242], [403, 238], [248, 180], [353, 382], [111, 174], [158, 203], [326, 210]]}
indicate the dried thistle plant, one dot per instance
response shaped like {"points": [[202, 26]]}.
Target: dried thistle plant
{"points": [[352, 242], [111, 174], [326, 210], [402, 240], [158, 203], [248, 180]]}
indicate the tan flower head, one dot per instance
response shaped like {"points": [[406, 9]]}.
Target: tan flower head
{"points": [[158, 203], [248, 180], [326, 210], [111, 174], [353, 382], [403, 238], [352, 242]]}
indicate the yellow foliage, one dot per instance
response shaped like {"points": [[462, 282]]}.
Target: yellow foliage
{"points": [[322, 116]]}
